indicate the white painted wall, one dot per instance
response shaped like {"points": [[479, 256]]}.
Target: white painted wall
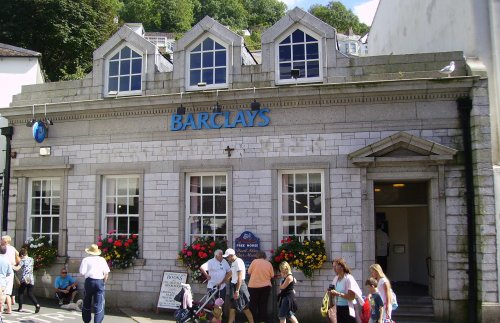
{"points": [[16, 72]]}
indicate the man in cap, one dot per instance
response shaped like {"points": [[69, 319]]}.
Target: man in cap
{"points": [[215, 271], [238, 290], [96, 270]]}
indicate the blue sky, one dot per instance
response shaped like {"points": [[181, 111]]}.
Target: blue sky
{"points": [[364, 9]]}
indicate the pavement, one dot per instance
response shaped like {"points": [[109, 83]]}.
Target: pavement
{"points": [[51, 312]]}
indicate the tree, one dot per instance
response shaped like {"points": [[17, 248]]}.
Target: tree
{"points": [[337, 15], [263, 13], [66, 32], [230, 13]]}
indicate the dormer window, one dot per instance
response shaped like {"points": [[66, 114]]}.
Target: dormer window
{"points": [[299, 51], [124, 72], [208, 65]]}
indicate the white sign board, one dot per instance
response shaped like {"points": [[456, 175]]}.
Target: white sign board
{"points": [[170, 286]]}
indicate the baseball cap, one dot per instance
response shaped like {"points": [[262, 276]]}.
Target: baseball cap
{"points": [[229, 252]]}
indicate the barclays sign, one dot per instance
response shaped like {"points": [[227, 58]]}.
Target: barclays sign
{"points": [[217, 120]]}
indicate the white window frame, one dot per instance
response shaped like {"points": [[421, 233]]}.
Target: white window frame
{"points": [[190, 87], [280, 202], [104, 227], [30, 215], [188, 234], [108, 93], [289, 32]]}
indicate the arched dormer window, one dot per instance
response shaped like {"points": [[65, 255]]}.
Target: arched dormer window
{"points": [[124, 72], [299, 51], [207, 65]]}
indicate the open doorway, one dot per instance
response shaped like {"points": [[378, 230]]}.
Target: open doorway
{"points": [[402, 214]]}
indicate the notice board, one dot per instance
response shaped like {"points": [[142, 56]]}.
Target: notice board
{"points": [[170, 286]]}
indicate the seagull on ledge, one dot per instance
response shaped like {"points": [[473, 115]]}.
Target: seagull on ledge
{"points": [[448, 69]]}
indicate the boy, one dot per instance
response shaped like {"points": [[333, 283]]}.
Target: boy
{"points": [[376, 302]]}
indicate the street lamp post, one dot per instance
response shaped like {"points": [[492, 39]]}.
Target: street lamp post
{"points": [[7, 132]]}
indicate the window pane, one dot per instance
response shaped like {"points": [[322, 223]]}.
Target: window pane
{"points": [[122, 185], [195, 60], [220, 225], [315, 182], [313, 69], [125, 52], [301, 67], [195, 184], [302, 225], [123, 225], [195, 204], [220, 75], [208, 226], [36, 224], [133, 186], [195, 225], [220, 184], [288, 225], [298, 52], [124, 83], [197, 48], [207, 204], [122, 205], [136, 66], [116, 56], [124, 67], [220, 204], [46, 206], [134, 225], [133, 207], [113, 84], [285, 69], [208, 185], [134, 54], [46, 225], [208, 59], [208, 44], [36, 188], [194, 77], [113, 68], [301, 203], [110, 186], [220, 58], [286, 40], [136, 83], [219, 46], [315, 203], [298, 36], [110, 205], [35, 206], [208, 76], [310, 39], [312, 51], [55, 206], [289, 202], [285, 53], [301, 183]]}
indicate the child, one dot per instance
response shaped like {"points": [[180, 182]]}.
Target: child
{"points": [[377, 305], [27, 279]]}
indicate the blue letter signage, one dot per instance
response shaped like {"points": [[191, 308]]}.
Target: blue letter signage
{"points": [[246, 247], [217, 120]]}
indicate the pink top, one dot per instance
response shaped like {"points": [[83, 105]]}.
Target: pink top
{"points": [[261, 272]]}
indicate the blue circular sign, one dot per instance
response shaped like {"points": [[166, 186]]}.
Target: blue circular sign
{"points": [[39, 131]]}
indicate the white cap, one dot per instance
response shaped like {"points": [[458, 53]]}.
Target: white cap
{"points": [[229, 252]]}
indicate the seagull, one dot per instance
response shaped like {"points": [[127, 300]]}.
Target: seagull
{"points": [[448, 69]]}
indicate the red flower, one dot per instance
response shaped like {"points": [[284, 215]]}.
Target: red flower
{"points": [[118, 243], [212, 244], [129, 241], [189, 253], [126, 244], [110, 240], [134, 236], [277, 259], [99, 243]]}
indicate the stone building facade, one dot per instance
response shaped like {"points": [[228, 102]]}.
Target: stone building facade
{"points": [[338, 139]]}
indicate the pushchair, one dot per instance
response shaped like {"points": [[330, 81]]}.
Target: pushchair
{"points": [[190, 311]]}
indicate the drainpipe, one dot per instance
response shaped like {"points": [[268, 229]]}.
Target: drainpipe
{"points": [[464, 106], [7, 132]]}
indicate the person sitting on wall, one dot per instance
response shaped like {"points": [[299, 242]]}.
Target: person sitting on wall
{"points": [[66, 288]]}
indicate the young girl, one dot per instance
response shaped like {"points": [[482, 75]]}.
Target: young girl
{"points": [[286, 298], [27, 279]]}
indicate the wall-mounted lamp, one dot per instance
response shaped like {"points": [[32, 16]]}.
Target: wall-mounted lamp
{"points": [[181, 109], [255, 105], [217, 108]]}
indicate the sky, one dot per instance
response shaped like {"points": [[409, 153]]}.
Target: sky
{"points": [[364, 9]]}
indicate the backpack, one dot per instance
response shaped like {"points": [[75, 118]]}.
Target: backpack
{"points": [[179, 296]]}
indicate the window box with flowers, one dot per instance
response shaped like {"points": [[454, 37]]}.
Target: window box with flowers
{"points": [[119, 251], [305, 255], [196, 254], [42, 251]]}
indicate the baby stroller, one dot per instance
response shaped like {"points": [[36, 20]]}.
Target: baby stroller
{"points": [[190, 311]]}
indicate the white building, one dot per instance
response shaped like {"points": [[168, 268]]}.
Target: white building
{"points": [[18, 67], [338, 143]]}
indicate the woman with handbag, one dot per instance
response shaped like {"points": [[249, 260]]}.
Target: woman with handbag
{"points": [[345, 289]]}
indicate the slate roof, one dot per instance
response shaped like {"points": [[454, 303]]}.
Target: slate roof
{"points": [[13, 51]]}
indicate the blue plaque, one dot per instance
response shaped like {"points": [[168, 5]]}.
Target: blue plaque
{"points": [[39, 131], [246, 247]]}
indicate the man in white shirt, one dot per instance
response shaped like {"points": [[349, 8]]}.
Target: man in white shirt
{"points": [[382, 247], [96, 270], [215, 271], [238, 290]]}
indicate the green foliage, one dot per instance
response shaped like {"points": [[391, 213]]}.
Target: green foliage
{"points": [[120, 252], [253, 41], [66, 32], [41, 250], [337, 15], [263, 13], [199, 252], [303, 255]]}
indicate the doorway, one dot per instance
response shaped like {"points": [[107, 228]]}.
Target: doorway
{"points": [[402, 213]]}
